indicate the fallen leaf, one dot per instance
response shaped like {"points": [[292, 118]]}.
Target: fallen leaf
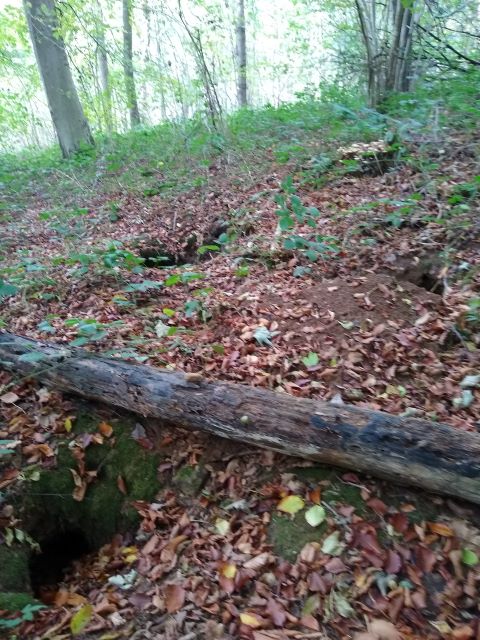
{"points": [[332, 545], [469, 557], [9, 397], [310, 622], [250, 620], [440, 529], [228, 570], [105, 429], [122, 487], [383, 630], [80, 620], [291, 504], [423, 319], [222, 526], [174, 597], [315, 515]]}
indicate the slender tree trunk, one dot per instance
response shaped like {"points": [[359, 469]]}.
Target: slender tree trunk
{"points": [[212, 101], [161, 67], [130, 89], [241, 54], [104, 73], [69, 121], [388, 45]]}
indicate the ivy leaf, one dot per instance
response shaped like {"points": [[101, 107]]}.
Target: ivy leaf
{"points": [[7, 289], [311, 360], [143, 286]]}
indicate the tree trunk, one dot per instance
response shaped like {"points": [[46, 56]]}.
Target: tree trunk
{"points": [[69, 121], [130, 89], [429, 455], [241, 54], [212, 102], [103, 73], [388, 46]]}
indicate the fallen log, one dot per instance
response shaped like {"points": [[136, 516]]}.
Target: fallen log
{"points": [[407, 450]]}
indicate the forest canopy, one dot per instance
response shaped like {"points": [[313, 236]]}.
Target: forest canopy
{"points": [[143, 63]]}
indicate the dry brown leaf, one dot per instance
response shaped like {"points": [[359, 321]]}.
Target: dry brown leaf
{"points": [[174, 597], [122, 487], [383, 630]]}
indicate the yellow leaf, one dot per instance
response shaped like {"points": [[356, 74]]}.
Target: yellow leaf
{"points": [[128, 550], [130, 554], [80, 620], [68, 424], [131, 558], [291, 504], [441, 529], [250, 620], [229, 571]]}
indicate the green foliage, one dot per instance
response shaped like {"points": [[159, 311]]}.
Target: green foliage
{"points": [[292, 212], [26, 615], [7, 289], [89, 330], [473, 313]]}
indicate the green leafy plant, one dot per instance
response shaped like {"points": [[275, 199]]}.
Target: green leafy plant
{"points": [[26, 616], [292, 212], [89, 330], [7, 289]]}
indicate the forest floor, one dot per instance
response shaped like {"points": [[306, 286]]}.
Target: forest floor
{"points": [[386, 317]]}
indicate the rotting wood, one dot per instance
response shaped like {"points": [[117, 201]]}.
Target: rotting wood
{"points": [[406, 450]]}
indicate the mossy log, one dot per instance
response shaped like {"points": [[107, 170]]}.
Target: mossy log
{"points": [[407, 450]]}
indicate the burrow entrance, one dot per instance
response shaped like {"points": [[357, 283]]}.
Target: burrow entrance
{"points": [[425, 274], [194, 249], [68, 530], [56, 559]]}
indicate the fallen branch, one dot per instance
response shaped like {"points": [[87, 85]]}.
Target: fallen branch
{"points": [[407, 450]]}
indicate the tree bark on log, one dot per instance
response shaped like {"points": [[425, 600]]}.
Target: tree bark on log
{"points": [[406, 450]]}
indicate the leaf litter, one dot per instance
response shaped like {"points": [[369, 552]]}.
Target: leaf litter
{"points": [[355, 325]]}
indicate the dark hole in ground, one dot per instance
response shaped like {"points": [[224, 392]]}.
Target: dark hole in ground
{"points": [[157, 258], [430, 282], [58, 552], [425, 275]]}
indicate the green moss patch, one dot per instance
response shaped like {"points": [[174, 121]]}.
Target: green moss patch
{"points": [[335, 490], [190, 480], [15, 601], [125, 472], [14, 572], [105, 510], [288, 535]]}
